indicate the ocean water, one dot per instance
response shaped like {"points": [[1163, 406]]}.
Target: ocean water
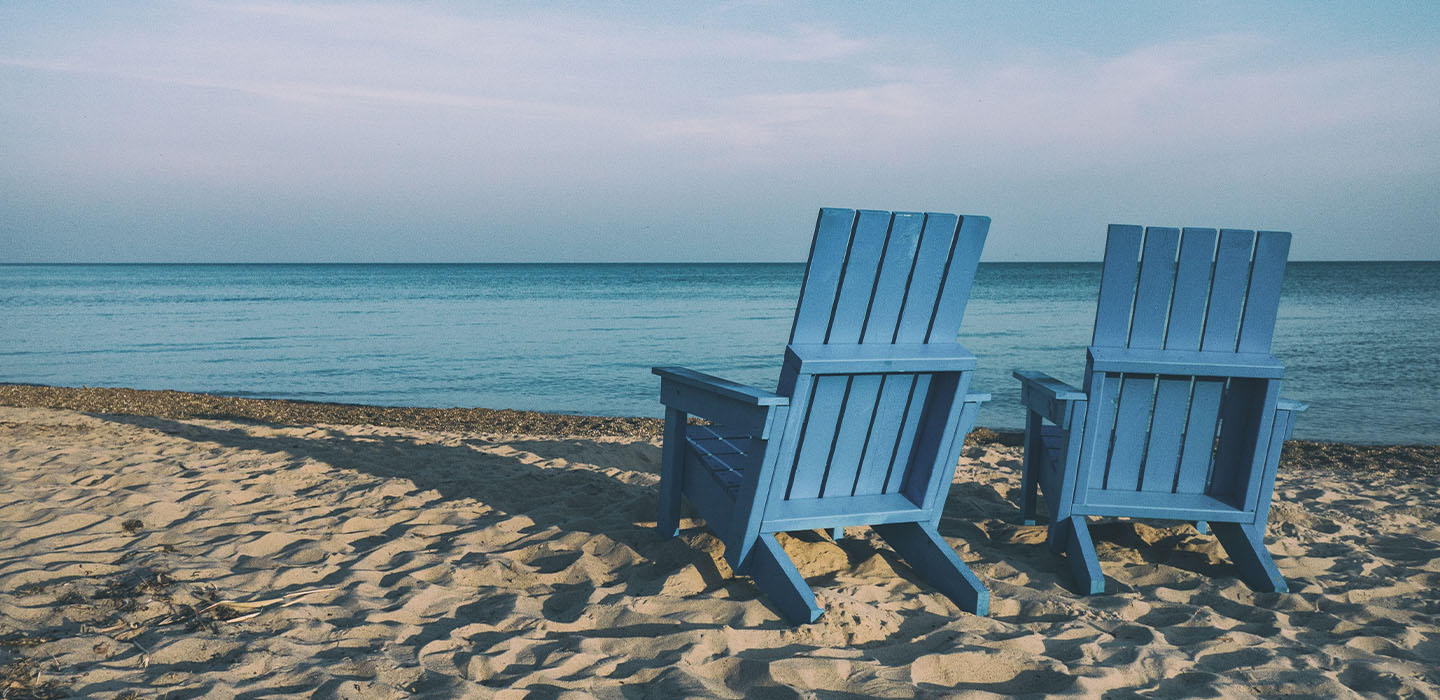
{"points": [[1359, 339]]}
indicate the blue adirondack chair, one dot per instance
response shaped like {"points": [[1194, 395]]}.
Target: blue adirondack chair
{"points": [[1181, 417], [868, 420]]}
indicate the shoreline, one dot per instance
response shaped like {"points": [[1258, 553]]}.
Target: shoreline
{"points": [[166, 403]]}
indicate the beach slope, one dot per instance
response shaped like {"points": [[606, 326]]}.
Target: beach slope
{"points": [[226, 556]]}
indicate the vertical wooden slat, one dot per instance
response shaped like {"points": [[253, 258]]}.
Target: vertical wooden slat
{"points": [[933, 444], [1235, 449], [890, 405], [1132, 423], [930, 260], [857, 291], [1141, 400], [894, 275], [1104, 392], [857, 286], [850, 439], [1117, 286], [960, 276], [1263, 304], [1167, 427], [1227, 291], [822, 275], [905, 442], [1192, 287], [1152, 294], [1198, 449], [1280, 428], [812, 459]]}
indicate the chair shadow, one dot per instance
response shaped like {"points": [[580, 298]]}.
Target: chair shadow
{"points": [[613, 500]]}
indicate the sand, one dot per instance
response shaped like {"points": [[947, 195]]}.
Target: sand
{"points": [[151, 556]]}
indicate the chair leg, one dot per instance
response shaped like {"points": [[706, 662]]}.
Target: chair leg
{"points": [[1245, 543], [672, 470], [1080, 550], [1057, 535], [837, 533], [775, 575], [1202, 527], [1034, 454], [930, 556]]}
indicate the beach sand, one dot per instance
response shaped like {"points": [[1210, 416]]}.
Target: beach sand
{"points": [[158, 544]]}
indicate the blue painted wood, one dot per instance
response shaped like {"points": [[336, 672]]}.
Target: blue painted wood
{"points": [[880, 359], [894, 277], [777, 577], [1080, 552], [1119, 274], [1185, 362], [1132, 426], [1157, 283], [926, 278], [848, 450], [1198, 450], [878, 452], [1263, 302], [869, 416], [1167, 429], [1192, 287], [857, 288], [933, 463], [902, 457], [818, 437], [1240, 434], [1030, 466], [1227, 291], [1245, 543], [672, 457], [930, 556], [1100, 420], [719, 387], [952, 443], [959, 275], [828, 251], [1183, 419]]}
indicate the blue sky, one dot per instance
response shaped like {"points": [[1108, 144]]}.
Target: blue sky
{"points": [[220, 131]]}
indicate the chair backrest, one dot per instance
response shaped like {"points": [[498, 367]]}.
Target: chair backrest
{"points": [[1201, 309], [875, 277]]}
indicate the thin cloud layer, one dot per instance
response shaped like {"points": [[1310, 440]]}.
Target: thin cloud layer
{"points": [[321, 132]]}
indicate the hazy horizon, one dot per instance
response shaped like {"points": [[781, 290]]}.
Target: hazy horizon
{"points": [[573, 262], [196, 131]]}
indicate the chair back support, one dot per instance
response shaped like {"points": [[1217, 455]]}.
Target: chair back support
{"points": [[876, 278], [1180, 377]]}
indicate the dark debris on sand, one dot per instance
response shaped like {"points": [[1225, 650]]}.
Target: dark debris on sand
{"points": [[1302, 454], [182, 405], [23, 677]]}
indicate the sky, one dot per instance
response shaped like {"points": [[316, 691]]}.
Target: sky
{"points": [[195, 131]]}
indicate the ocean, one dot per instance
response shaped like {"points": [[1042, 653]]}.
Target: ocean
{"points": [[1359, 340]]}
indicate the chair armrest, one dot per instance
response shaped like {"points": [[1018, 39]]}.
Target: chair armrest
{"points": [[720, 387], [814, 358], [721, 401], [1288, 405], [973, 397], [1048, 396]]}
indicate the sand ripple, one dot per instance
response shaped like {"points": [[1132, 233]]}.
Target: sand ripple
{"points": [[156, 555]]}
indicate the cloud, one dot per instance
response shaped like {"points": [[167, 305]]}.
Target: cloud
{"points": [[1185, 100], [437, 108]]}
